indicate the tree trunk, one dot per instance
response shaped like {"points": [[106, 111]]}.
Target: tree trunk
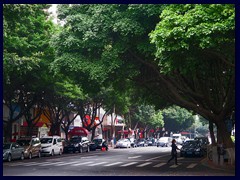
{"points": [[8, 131], [227, 141], [212, 133]]}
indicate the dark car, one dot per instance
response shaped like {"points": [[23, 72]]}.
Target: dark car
{"points": [[191, 148], [133, 142], [98, 144], [12, 150], [203, 141], [142, 142], [77, 143]]}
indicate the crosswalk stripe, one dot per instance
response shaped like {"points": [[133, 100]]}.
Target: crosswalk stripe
{"points": [[133, 157], [144, 164], [62, 164], [128, 164], [22, 164], [113, 164], [174, 166], [192, 165], [97, 164], [47, 164], [155, 158], [82, 163], [160, 164]]}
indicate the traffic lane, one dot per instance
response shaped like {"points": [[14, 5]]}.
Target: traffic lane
{"points": [[138, 161]]}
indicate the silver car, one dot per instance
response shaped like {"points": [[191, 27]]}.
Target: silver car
{"points": [[12, 150]]}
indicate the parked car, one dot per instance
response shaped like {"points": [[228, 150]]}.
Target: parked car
{"points": [[77, 143], [142, 142], [150, 142], [98, 144], [203, 141], [32, 146], [133, 142], [123, 143], [51, 145], [93, 146], [12, 150], [164, 141], [191, 148]]}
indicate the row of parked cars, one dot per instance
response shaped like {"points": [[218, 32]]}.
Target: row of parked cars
{"points": [[132, 142], [29, 147]]}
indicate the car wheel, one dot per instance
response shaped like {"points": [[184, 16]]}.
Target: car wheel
{"points": [[9, 157], [60, 152], [30, 155], [52, 153], [22, 156], [80, 150], [39, 154]]}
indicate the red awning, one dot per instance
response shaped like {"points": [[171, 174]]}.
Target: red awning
{"points": [[39, 124], [124, 132], [185, 132], [79, 131]]}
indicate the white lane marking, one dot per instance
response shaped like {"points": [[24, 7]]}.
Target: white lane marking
{"points": [[82, 163], [62, 164], [155, 158], [180, 158], [22, 164], [133, 157], [144, 164], [174, 166], [97, 164], [192, 165], [113, 164], [48, 163], [160, 164], [129, 164]]}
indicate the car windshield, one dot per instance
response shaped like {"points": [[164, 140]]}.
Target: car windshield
{"points": [[163, 139], [121, 140], [74, 140], [24, 142], [97, 141], [46, 140], [6, 146], [190, 143]]}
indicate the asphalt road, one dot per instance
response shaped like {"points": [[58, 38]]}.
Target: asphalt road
{"points": [[141, 161]]}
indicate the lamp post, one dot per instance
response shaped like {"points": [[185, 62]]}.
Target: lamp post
{"points": [[196, 119]]}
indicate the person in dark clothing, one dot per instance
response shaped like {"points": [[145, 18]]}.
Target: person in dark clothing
{"points": [[174, 152]]}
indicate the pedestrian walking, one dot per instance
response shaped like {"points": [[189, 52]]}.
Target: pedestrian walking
{"points": [[174, 152]]}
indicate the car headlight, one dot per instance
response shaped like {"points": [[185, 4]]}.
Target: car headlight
{"points": [[198, 149]]}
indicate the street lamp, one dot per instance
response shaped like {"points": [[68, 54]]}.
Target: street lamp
{"points": [[196, 119]]}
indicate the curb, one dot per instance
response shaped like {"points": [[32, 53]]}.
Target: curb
{"points": [[225, 167]]}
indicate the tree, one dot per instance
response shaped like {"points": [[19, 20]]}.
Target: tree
{"points": [[186, 34], [147, 118], [177, 119], [102, 46], [26, 44]]}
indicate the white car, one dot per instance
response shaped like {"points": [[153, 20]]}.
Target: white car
{"points": [[123, 143], [51, 145]]}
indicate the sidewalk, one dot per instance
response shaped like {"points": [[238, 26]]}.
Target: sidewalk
{"points": [[226, 167]]}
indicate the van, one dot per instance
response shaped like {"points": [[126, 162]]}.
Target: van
{"points": [[178, 138], [32, 146], [164, 141], [51, 145]]}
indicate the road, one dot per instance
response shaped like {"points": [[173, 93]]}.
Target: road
{"points": [[141, 161]]}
